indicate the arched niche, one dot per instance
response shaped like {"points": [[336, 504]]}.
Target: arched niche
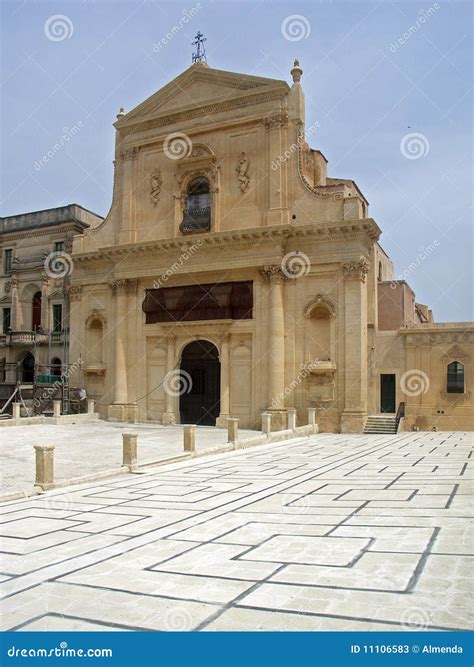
{"points": [[320, 317], [95, 336]]}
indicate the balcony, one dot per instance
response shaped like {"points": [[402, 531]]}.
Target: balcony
{"points": [[25, 338], [196, 219], [320, 367]]}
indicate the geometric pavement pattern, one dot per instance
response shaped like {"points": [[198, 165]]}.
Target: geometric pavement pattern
{"points": [[328, 532]]}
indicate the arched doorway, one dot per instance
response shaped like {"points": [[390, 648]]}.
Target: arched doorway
{"points": [[28, 368], [201, 404]]}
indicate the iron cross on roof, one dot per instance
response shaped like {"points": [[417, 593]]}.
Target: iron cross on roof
{"points": [[200, 54]]}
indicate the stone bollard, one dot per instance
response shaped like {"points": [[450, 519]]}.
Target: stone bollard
{"points": [[56, 408], [189, 433], [312, 416], [44, 466], [232, 429], [90, 406], [129, 450], [266, 423], [292, 418], [16, 410]]}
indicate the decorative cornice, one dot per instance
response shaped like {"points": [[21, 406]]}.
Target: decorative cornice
{"points": [[276, 120], [455, 353], [356, 270], [342, 230]]}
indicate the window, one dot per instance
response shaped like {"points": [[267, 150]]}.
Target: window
{"points": [[197, 214], [380, 271], [56, 367], [455, 383], [59, 246], [36, 312], [7, 260], [57, 318], [6, 320]]}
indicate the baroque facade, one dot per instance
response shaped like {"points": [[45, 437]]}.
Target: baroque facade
{"points": [[233, 276]]}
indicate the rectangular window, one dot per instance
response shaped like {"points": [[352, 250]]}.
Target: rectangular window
{"points": [[59, 246], [7, 260], [57, 317], [6, 320]]}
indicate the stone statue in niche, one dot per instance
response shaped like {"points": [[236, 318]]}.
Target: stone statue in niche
{"points": [[155, 183], [242, 170]]}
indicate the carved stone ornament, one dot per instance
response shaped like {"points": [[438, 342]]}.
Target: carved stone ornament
{"points": [[156, 183], [356, 270], [455, 353], [124, 286], [242, 170], [75, 292], [320, 299], [273, 274], [276, 120], [129, 153]]}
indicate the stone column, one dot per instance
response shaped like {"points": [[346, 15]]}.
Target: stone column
{"points": [[16, 410], [16, 312], [292, 418], [232, 430], [276, 125], [266, 422], [276, 347], [120, 409], [127, 232], [56, 408], [129, 453], [221, 421], [355, 325], [169, 416], [45, 314]]}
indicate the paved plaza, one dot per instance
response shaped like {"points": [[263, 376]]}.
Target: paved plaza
{"points": [[91, 448], [328, 532]]}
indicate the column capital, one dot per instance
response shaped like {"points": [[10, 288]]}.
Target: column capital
{"points": [[356, 270], [75, 292], [274, 274], [129, 153], [276, 120], [124, 286]]}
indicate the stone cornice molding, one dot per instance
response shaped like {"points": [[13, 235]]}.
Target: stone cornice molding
{"points": [[239, 239], [455, 353], [53, 231], [203, 109], [356, 270]]}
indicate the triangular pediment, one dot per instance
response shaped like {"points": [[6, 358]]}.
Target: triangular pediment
{"points": [[196, 86]]}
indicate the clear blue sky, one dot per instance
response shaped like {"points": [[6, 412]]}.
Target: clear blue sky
{"points": [[367, 91]]}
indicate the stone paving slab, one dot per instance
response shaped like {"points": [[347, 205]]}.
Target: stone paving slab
{"points": [[90, 448], [325, 532]]}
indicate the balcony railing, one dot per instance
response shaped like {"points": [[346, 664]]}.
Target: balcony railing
{"points": [[29, 338]]}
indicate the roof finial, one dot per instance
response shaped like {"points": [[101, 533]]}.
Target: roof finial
{"points": [[200, 54], [121, 112], [296, 72]]}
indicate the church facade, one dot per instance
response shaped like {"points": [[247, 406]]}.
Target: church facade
{"points": [[233, 276]]}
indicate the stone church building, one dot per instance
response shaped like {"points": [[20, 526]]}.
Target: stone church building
{"points": [[233, 275]]}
